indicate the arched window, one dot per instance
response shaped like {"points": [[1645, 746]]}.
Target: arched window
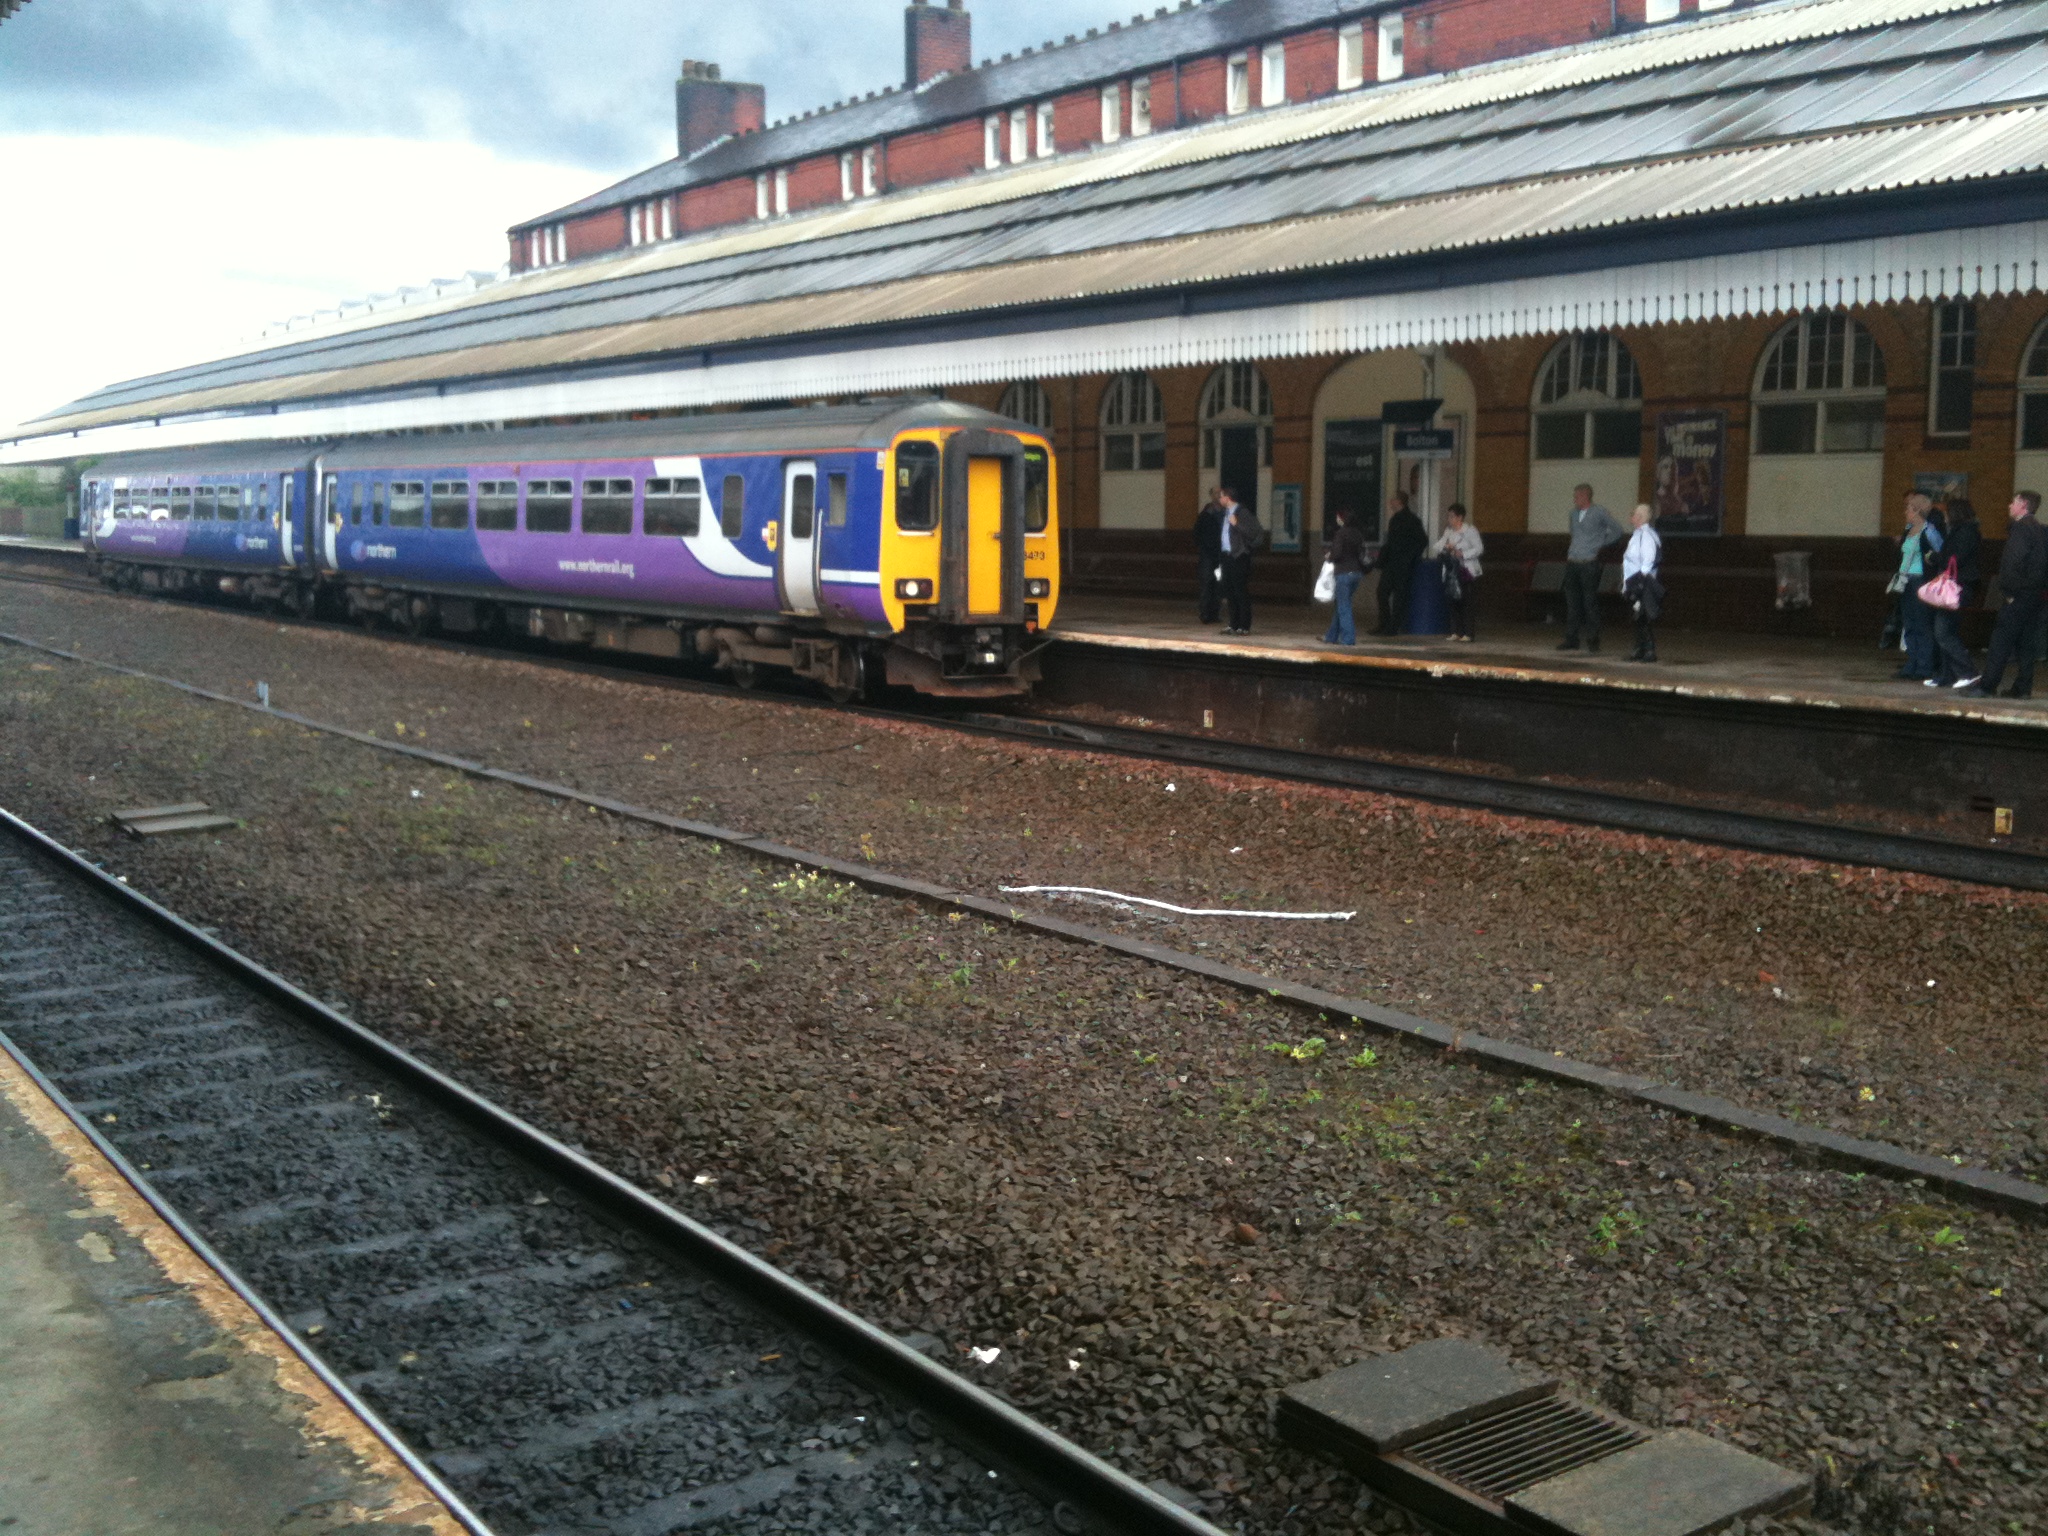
{"points": [[1589, 401], [1236, 396], [1133, 424], [1026, 400], [1133, 454], [1820, 389], [2034, 393]]}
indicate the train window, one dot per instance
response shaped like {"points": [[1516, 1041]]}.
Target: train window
{"points": [[497, 506], [674, 508], [1037, 491], [333, 497], [835, 501], [803, 507], [202, 504], [547, 506], [230, 504], [917, 487], [263, 502], [181, 502], [732, 507], [608, 506], [377, 504], [355, 503], [450, 506], [408, 504], [121, 504]]}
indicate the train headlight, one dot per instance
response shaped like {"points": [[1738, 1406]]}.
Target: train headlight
{"points": [[914, 589], [1038, 586]]}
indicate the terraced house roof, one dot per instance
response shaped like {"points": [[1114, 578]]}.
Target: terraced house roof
{"points": [[1451, 203]]}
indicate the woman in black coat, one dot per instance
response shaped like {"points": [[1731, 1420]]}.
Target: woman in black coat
{"points": [[1964, 545]]}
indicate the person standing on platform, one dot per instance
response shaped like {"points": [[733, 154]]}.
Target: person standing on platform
{"points": [[1460, 541], [1640, 582], [1209, 555], [1403, 545], [2022, 573], [1346, 554], [1917, 544], [1593, 528], [1964, 545], [1240, 536]]}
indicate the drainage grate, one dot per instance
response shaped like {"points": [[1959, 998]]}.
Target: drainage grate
{"points": [[1517, 1448]]}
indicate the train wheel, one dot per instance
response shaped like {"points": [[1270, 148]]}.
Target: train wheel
{"points": [[301, 602], [744, 674], [855, 673]]}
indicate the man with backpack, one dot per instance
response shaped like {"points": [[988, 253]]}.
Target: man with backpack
{"points": [[1242, 535]]}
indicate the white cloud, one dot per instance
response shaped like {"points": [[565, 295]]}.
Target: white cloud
{"points": [[149, 254]]}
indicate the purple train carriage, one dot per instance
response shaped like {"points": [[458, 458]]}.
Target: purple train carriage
{"points": [[913, 542]]}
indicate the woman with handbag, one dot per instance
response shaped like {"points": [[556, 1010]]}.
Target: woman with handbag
{"points": [[1459, 547], [1639, 580], [1344, 560], [1918, 545], [1964, 585]]}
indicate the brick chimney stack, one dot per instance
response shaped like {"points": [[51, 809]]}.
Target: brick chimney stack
{"points": [[709, 109], [936, 42]]}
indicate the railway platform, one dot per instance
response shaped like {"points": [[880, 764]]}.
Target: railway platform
{"points": [[142, 1393], [1698, 664]]}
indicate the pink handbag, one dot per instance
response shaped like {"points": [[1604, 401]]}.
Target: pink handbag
{"points": [[1943, 591]]}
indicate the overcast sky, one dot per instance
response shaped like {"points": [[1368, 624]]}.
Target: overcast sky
{"points": [[193, 169]]}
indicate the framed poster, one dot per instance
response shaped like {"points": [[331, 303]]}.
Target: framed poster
{"points": [[1286, 520], [1692, 459], [1351, 473]]}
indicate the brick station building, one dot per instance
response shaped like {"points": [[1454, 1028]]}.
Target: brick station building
{"points": [[1769, 265]]}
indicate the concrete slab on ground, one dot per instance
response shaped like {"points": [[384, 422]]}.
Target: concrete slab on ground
{"points": [[143, 1394]]}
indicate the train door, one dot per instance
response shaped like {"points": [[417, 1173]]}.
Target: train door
{"points": [[797, 556], [287, 516], [330, 522], [983, 555]]}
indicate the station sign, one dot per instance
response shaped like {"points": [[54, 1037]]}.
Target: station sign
{"points": [[1425, 443]]}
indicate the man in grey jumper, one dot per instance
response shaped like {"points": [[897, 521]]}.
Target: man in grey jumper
{"points": [[1593, 529]]}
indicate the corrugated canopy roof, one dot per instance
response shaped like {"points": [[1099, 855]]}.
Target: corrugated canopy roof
{"points": [[1901, 94]]}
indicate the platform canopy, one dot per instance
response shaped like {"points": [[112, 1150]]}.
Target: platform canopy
{"points": [[1801, 155]]}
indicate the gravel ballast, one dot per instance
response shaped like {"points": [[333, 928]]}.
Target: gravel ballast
{"points": [[1096, 1165]]}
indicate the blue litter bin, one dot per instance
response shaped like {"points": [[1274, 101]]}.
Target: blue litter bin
{"points": [[1428, 613], [70, 527]]}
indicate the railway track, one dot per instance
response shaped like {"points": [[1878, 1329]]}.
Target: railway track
{"points": [[554, 1350], [1832, 842]]}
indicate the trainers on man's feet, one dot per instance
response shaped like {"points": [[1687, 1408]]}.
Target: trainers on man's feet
{"points": [[1963, 684], [1934, 682]]}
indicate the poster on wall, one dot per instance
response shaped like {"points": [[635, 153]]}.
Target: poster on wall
{"points": [[1351, 473], [1692, 486]]}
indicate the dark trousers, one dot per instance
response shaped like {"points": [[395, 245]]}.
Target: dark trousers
{"points": [[1393, 600], [1646, 635], [1951, 657], [1237, 589], [1209, 595], [2013, 640], [1582, 602], [1461, 606], [1918, 620]]}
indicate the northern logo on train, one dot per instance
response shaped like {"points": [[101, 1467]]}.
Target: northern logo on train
{"points": [[355, 550]]}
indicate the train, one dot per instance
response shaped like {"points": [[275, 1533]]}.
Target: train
{"points": [[909, 542]]}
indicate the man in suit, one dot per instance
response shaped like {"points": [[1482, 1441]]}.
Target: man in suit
{"points": [[2022, 574], [1400, 549], [1209, 556], [1593, 528], [1241, 535]]}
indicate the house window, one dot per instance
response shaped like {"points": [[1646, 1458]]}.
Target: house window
{"points": [[1952, 391], [1392, 30], [1660, 10], [871, 170], [633, 225], [2034, 394], [1820, 390], [1046, 143], [1133, 424], [1589, 401], [1236, 396], [761, 196], [1237, 83], [991, 142], [1273, 75], [1141, 108], [846, 183], [1027, 400], [781, 192], [1351, 56], [1112, 113], [1020, 135], [668, 219]]}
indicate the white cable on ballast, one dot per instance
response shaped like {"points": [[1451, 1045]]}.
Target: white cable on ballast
{"points": [[1167, 906]]}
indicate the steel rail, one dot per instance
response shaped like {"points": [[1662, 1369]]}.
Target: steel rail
{"points": [[1788, 836], [1084, 1493]]}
